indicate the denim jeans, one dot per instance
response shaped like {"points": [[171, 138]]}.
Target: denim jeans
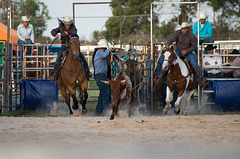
{"points": [[59, 56], [104, 98], [84, 60], [29, 48]]}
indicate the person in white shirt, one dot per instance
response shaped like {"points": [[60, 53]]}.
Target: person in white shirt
{"points": [[25, 34], [212, 61]]}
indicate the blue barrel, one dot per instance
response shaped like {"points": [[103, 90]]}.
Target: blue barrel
{"points": [[38, 95], [227, 95]]}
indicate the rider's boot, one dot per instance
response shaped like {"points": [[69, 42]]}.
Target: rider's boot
{"points": [[88, 74], [159, 79], [203, 80]]}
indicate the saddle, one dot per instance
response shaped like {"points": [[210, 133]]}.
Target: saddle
{"points": [[187, 63]]}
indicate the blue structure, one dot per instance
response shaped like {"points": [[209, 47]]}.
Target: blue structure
{"points": [[38, 94], [227, 95]]}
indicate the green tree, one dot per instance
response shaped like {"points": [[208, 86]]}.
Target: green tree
{"points": [[37, 12], [135, 21]]}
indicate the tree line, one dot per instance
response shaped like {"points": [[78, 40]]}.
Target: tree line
{"points": [[136, 19]]}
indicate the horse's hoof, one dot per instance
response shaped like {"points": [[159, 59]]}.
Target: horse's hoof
{"points": [[177, 112], [184, 113], [164, 112], [75, 107], [84, 111], [112, 117]]}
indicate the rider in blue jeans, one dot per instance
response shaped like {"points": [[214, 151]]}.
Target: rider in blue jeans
{"points": [[66, 28], [186, 42]]}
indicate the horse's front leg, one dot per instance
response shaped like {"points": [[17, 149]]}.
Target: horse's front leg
{"points": [[75, 102], [169, 98], [180, 95], [65, 96]]}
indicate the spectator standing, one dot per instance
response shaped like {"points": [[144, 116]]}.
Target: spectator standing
{"points": [[100, 63]]}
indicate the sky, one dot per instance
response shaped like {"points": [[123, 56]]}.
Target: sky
{"points": [[88, 17], [92, 16]]}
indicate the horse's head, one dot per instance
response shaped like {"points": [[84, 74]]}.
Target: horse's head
{"points": [[169, 58], [74, 45]]}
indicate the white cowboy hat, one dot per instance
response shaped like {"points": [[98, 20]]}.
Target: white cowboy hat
{"points": [[25, 19], [67, 20], [202, 16], [103, 44], [185, 25]]}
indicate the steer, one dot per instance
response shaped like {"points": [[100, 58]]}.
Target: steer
{"points": [[121, 87]]}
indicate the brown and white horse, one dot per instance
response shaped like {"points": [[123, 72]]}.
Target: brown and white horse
{"points": [[179, 78]]}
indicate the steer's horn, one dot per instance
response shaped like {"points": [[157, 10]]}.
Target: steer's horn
{"points": [[106, 82], [122, 81]]}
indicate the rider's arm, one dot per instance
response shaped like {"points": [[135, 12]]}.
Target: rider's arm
{"points": [[172, 39], [55, 31]]}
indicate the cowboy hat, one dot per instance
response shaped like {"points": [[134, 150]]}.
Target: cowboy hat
{"points": [[25, 19], [103, 44], [210, 47], [202, 16], [185, 25], [67, 20]]}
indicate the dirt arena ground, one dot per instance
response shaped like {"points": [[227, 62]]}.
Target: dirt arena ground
{"points": [[138, 137]]}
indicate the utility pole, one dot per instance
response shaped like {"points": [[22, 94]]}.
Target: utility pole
{"points": [[6, 88]]}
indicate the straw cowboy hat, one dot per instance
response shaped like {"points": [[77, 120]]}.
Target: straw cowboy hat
{"points": [[25, 19], [103, 44], [67, 20], [202, 16], [210, 47], [185, 25]]}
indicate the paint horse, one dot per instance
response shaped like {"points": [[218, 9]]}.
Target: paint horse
{"points": [[179, 78], [72, 75]]}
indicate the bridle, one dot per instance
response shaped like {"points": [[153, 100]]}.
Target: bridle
{"points": [[74, 74]]}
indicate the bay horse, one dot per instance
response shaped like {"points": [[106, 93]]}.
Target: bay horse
{"points": [[72, 75], [179, 78]]}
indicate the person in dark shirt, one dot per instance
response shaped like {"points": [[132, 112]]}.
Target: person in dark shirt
{"points": [[66, 28]]}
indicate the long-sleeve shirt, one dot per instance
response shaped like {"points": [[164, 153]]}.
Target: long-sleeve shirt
{"points": [[65, 38], [187, 42], [100, 61], [25, 33], [213, 61], [204, 31]]}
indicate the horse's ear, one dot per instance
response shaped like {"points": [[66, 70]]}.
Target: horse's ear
{"points": [[172, 47], [70, 36]]}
